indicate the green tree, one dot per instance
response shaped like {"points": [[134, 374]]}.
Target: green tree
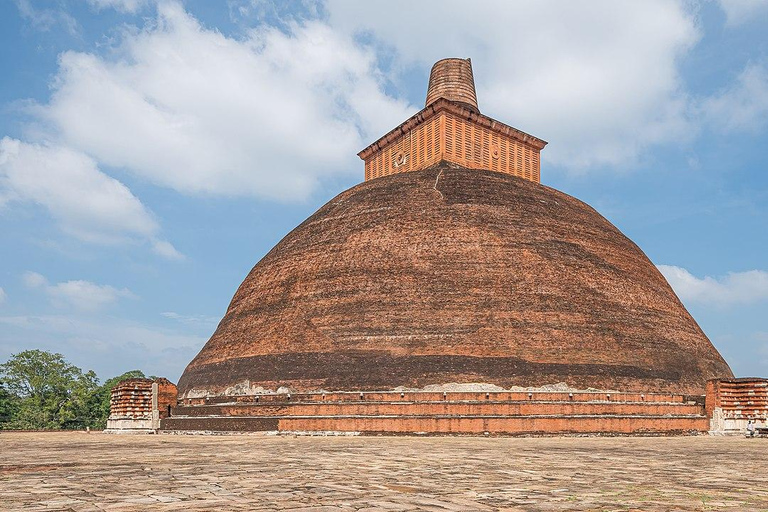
{"points": [[9, 403], [49, 392], [41, 390]]}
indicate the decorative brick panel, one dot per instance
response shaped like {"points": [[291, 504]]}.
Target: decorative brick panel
{"points": [[451, 132]]}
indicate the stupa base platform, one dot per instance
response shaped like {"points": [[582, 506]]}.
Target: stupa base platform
{"points": [[449, 413]]}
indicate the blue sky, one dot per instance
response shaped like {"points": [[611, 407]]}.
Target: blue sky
{"points": [[151, 153]]}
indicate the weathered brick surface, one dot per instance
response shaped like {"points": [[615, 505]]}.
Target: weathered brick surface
{"points": [[131, 399], [451, 128], [140, 404], [429, 396], [732, 403], [447, 413], [453, 80], [442, 408], [745, 398], [455, 275], [501, 425], [167, 396]]}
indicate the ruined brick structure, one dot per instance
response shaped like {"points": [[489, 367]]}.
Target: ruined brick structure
{"points": [[733, 402], [138, 405], [451, 128], [453, 267]]}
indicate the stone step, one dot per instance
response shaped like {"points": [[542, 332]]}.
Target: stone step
{"points": [[435, 424], [490, 408]]}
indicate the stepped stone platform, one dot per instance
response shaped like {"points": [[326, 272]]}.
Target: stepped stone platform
{"points": [[440, 413]]}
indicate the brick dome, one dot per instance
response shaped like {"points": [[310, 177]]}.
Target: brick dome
{"points": [[455, 275]]}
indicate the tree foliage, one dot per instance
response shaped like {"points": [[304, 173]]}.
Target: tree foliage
{"points": [[40, 390]]}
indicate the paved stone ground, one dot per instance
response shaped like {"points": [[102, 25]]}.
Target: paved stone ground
{"points": [[84, 472]]}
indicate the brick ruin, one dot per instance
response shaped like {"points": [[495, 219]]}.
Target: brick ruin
{"points": [[731, 403], [449, 293], [139, 405]]}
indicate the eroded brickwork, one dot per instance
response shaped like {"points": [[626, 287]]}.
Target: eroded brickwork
{"points": [[140, 404], [453, 80], [731, 403], [455, 275], [132, 400], [446, 413]]}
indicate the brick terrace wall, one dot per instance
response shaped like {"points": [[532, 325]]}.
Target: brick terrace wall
{"points": [[508, 413], [731, 403]]}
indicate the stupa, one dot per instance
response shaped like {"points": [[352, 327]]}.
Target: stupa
{"points": [[452, 275]]}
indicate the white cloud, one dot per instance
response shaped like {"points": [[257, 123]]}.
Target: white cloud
{"points": [[82, 295], [191, 109], [738, 12], [109, 345], [46, 18], [198, 320], [129, 6], [33, 280], [3, 295], [741, 106], [84, 201], [166, 250], [598, 79], [85, 295], [733, 288]]}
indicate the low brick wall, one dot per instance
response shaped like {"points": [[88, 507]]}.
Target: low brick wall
{"points": [[731, 403], [508, 413]]}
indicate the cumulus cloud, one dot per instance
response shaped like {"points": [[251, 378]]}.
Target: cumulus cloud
{"points": [[191, 109], [82, 295], [738, 12], [733, 288], [743, 105], [599, 79], [84, 201]]}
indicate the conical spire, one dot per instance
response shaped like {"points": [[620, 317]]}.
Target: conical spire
{"points": [[452, 79]]}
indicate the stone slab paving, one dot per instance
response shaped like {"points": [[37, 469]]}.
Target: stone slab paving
{"points": [[100, 472]]}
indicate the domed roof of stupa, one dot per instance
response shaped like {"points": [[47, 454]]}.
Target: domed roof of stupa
{"points": [[455, 275]]}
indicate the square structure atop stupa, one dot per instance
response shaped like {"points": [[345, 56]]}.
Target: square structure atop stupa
{"points": [[450, 127]]}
